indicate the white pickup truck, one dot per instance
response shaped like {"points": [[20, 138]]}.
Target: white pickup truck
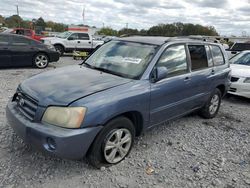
{"points": [[69, 41]]}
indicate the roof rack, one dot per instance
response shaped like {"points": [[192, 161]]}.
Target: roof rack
{"points": [[200, 38]]}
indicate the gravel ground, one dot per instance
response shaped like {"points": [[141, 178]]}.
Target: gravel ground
{"points": [[189, 152]]}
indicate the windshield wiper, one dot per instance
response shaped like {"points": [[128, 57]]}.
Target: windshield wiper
{"points": [[108, 71], [87, 65]]}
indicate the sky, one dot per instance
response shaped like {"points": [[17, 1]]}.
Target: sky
{"points": [[229, 17]]}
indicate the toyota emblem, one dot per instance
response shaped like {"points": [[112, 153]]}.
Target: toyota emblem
{"points": [[21, 102]]}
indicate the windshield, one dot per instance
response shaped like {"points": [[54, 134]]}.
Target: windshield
{"points": [[241, 59], [64, 35], [126, 59]]}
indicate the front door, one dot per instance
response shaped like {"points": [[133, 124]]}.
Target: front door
{"points": [[170, 96], [5, 57]]}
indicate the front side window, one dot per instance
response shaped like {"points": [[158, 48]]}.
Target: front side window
{"points": [[74, 36], [198, 57], [217, 55], [174, 58], [125, 59], [64, 35], [20, 41]]}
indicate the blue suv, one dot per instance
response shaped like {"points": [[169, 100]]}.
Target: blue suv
{"points": [[125, 87]]}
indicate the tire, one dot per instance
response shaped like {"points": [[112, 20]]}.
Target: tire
{"points": [[60, 49], [41, 60], [212, 106], [103, 154]]}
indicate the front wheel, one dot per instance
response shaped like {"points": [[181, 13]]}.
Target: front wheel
{"points": [[59, 49], [212, 106], [113, 143], [41, 60]]}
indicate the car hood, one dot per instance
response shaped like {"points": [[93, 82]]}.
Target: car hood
{"points": [[66, 85], [240, 70]]}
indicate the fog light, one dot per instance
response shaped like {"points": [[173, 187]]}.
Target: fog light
{"points": [[51, 144]]}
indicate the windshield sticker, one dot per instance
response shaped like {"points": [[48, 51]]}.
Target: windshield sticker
{"points": [[131, 60]]}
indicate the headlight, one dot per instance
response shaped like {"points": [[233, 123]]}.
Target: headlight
{"points": [[51, 47], [68, 117], [247, 80]]}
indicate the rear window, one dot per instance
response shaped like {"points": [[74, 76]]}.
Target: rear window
{"points": [[241, 47], [217, 55], [198, 57], [4, 40]]}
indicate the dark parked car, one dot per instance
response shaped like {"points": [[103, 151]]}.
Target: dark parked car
{"points": [[19, 51], [237, 47], [124, 88]]}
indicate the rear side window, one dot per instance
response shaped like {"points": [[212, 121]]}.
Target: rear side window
{"points": [[83, 36], [217, 55], [198, 57], [209, 56], [4, 40], [241, 47], [19, 41], [174, 59]]}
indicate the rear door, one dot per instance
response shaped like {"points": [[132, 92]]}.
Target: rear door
{"points": [[22, 51], [202, 73], [84, 41], [5, 56]]}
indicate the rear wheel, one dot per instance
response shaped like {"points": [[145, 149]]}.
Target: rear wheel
{"points": [[113, 143], [212, 106], [60, 49], [41, 60]]}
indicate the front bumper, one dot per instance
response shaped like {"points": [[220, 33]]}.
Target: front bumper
{"points": [[65, 143], [240, 89], [54, 56]]}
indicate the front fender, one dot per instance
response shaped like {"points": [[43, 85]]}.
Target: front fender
{"points": [[105, 105]]}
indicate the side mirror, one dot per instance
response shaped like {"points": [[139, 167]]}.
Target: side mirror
{"points": [[70, 38], [158, 74]]}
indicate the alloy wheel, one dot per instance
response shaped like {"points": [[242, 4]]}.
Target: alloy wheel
{"points": [[117, 145], [41, 61], [214, 104]]}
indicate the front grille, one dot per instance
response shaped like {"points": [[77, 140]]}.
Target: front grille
{"points": [[234, 79], [26, 105], [232, 89]]}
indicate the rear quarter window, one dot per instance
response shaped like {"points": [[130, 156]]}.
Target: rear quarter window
{"points": [[218, 57]]}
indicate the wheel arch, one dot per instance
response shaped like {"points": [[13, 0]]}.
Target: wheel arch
{"points": [[222, 89], [135, 117]]}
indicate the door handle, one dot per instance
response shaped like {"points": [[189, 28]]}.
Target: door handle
{"points": [[5, 48], [187, 79], [78, 42], [89, 42]]}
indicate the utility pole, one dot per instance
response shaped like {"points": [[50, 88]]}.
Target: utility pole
{"points": [[17, 10], [103, 25], [127, 28]]}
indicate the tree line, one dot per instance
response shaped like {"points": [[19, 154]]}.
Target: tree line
{"points": [[16, 21], [173, 29], [168, 30]]}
